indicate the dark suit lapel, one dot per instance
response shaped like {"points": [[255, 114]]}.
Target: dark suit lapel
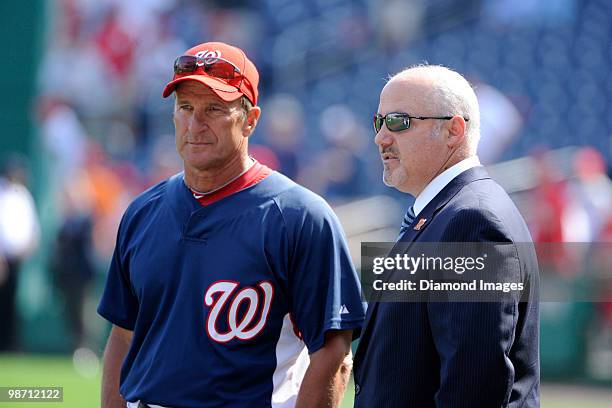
{"points": [[426, 216]]}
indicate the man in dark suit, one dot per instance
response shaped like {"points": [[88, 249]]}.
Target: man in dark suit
{"points": [[448, 354]]}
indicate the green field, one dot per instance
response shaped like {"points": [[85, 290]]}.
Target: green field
{"points": [[32, 371], [81, 386]]}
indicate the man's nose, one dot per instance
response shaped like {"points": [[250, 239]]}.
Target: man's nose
{"points": [[383, 138], [198, 121]]}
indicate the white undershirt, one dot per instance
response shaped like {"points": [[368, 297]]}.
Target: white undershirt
{"points": [[437, 184]]}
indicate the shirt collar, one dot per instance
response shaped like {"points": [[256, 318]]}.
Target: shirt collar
{"points": [[198, 194], [437, 184]]}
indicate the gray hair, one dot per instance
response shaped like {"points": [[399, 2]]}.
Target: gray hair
{"points": [[451, 94]]}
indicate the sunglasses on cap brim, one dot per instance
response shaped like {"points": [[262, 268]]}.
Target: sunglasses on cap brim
{"points": [[212, 66]]}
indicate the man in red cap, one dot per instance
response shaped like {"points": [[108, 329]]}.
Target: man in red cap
{"points": [[230, 284]]}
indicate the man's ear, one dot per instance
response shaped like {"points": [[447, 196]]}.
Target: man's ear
{"points": [[252, 117], [456, 131]]}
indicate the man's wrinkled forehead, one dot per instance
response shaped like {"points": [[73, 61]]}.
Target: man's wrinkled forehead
{"points": [[193, 88], [406, 94], [196, 90]]}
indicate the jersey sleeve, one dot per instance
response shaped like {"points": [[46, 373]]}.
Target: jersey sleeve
{"points": [[324, 286], [119, 304]]}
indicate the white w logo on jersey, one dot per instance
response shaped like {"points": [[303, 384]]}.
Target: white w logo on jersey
{"points": [[237, 329]]}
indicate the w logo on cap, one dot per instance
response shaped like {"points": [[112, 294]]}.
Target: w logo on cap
{"points": [[221, 63], [208, 56]]}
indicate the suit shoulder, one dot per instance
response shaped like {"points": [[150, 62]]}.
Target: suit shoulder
{"points": [[484, 208], [473, 224]]}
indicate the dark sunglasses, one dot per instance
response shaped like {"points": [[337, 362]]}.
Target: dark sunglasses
{"points": [[213, 66], [398, 121]]}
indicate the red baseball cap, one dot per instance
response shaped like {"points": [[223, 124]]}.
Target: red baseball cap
{"points": [[228, 90]]}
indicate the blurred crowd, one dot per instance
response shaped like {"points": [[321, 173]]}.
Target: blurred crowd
{"points": [[19, 234], [107, 134]]}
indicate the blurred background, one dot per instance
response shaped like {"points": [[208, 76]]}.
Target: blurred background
{"points": [[85, 130]]}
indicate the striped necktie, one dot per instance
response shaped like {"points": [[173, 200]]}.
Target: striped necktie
{"points": [[408, 219]]}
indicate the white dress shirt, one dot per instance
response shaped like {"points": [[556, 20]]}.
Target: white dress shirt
{"points": [[437, 184]]}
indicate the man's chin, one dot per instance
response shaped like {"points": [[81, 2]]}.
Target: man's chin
{"points": [[388, 179], [395, 180]]}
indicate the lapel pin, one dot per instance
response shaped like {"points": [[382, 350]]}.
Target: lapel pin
{"points": [[420, 224]]}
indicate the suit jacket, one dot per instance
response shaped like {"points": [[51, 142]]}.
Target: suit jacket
{"points": [[457, 354]]}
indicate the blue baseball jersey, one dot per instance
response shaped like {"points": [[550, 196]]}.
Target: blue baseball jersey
{"points": [[227, 300]]}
